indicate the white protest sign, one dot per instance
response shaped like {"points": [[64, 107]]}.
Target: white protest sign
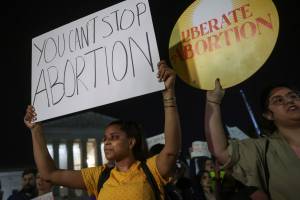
{"points": [[105, 57], [199, 149], [236, 133], [47, 196], [157, 139]]}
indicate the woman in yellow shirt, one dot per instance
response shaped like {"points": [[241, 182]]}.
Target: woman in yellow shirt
{"points": [[122, 144]]}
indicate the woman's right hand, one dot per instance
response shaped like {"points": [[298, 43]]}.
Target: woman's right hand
{"points": [[30, 117], [216, 95]]}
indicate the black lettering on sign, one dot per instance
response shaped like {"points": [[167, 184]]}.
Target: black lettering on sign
{"points": [[43, 89], [84, 66], [118, 52], [56, 86]]}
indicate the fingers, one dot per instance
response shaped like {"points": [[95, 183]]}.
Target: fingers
{"points": [[161, 74], [161, 69], [218, 84], [30, 114], [164, 72]]}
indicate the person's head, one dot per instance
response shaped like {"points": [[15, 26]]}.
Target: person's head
{"points": [[209, 165], [281, 105], [42, 185], [28, 179], [204, 178], [205, 163], [123, 139]]}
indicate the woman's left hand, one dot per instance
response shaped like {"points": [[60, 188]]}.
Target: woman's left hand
{"points": [[166, 74]]}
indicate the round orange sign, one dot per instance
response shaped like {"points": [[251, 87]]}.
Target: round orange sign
{"points": [[229, 39]]}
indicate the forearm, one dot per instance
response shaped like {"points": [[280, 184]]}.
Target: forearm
{"points": [[214, 132], [172, 127], [43, 160], [46, 165]]}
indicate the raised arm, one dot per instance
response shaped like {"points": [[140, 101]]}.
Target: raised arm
{"points": [[214, 131], [43, 160], [167, 157]]}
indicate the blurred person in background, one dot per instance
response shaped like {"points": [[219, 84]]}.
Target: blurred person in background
{"points": [[43, 186], [28, 190]]}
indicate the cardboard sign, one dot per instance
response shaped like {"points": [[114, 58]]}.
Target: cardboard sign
{"points": [[157, 139], [105, 57], [199, 149], [228, 39], [236, 133], [47, 196]]}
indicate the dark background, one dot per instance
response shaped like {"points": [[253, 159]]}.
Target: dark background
{"points": [[27, 19]]}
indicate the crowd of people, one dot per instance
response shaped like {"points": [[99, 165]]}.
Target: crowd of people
{"points": [[33, 185], [261, 168]]}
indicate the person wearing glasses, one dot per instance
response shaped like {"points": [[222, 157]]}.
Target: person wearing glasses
{"points": [[271, 164]]}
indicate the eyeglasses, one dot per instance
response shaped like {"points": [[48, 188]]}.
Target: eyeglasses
{"points": [[281, 100]]}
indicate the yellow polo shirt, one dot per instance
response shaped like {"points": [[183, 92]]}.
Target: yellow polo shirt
{"points": [[130, 185]]}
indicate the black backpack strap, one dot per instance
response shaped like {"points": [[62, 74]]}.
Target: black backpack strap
{"points": [[151, 180], [103, 177], [266, 169]]}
